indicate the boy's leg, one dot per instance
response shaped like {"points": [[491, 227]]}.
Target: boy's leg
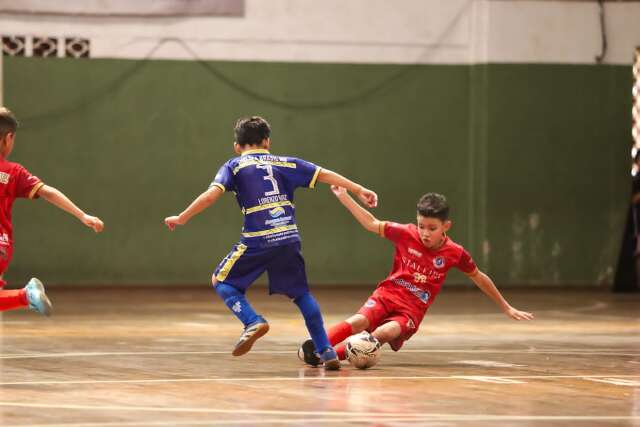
{"points": [[255, 326], [232, 277], [313, 319], [388, 332], [287, 276], [338, 333], [343, 330], [32, 295], [10, 300], [236, 300], [370, 315]]}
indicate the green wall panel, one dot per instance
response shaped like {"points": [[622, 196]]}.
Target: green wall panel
{"points": [[558, 171], [135, 141]]}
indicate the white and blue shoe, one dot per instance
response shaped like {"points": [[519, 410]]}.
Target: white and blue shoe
{"points": [[37, 298], [329, 359], [250, 334]]}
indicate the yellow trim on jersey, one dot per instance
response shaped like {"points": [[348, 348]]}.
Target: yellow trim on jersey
{"points": [[267, 206], [251, 162], [270, 231], [224, 271], [312, 184], [35, 189], [381, 228], [220, 186], [256, 151]]}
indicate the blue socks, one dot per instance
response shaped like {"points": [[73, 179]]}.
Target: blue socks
{"points": [[240, 307], [237, 303], [313, 318]]}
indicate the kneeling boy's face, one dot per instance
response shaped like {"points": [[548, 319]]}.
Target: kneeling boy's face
{"points": [[432, 230]]}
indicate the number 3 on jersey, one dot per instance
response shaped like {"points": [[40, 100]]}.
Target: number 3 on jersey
{"points": [[270, 178]]}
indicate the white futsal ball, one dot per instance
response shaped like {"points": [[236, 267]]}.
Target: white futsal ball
{"points": [[363, 350]]}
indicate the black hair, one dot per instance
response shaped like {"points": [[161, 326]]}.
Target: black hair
{"points": [[8, 122], [434, 205], [251, 130]]}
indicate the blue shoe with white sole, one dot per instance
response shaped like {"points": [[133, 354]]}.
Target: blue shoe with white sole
{"points": [[250, 334], [37, 298], [329, 359]]}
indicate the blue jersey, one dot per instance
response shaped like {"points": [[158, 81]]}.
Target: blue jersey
{"points": [[264, 184]]}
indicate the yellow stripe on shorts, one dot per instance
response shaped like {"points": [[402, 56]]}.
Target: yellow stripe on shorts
{"points": [[226, 268]]}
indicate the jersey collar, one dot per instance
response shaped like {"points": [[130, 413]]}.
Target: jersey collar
{"points": [[442, 245], [256, 151]]}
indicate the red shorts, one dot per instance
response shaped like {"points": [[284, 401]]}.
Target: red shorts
{"points": [[385, 306], [6, 252]]}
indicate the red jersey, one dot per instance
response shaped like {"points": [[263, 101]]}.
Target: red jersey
{"points": [[418, 272], [15, 182]]}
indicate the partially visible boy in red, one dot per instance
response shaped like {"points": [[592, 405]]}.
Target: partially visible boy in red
{"points": [[423, 256], [17, 182]]}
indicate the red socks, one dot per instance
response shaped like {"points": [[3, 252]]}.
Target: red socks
{"points": [[13, 299], [341, 352], [339, 333]]}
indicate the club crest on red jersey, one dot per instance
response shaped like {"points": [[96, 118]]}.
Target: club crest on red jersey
{"points": [[438, 262]]}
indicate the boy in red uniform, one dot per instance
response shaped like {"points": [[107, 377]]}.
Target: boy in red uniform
{"points": [[16, 182], [423, 256]]}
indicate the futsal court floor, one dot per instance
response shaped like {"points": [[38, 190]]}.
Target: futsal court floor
{"points": [[160, 356]]}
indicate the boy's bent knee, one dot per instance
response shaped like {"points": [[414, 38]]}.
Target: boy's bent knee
{"points": [[225, 290], [358, 323], [388, 332]]}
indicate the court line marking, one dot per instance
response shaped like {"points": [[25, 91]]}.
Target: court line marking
{"points": [[487, 379], [357, 419], [381, 416], [279, 421], [311, 378], [615, 381], [486, 363], [172, 353]]}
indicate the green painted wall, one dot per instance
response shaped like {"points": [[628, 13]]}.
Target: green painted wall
{"points": [[135, 141]]}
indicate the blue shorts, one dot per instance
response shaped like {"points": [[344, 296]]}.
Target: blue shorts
{"points": [[284, 265]]}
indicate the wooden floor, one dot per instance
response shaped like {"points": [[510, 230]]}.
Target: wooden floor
{"points": [[161, 357]]}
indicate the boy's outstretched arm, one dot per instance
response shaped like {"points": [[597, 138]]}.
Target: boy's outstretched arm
{"points": [[57, 198], [487, 286], [365, 195], [201, 202], [364, 217]]}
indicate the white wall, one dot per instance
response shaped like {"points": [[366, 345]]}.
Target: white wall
{"points": [[562, 32], [362, 31]]}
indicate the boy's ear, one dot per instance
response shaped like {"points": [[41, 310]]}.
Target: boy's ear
{"points": [[266, 143], [236, 148], [447, 225]]}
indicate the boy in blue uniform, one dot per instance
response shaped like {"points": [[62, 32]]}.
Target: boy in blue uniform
{"points": [[264, 185]]}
